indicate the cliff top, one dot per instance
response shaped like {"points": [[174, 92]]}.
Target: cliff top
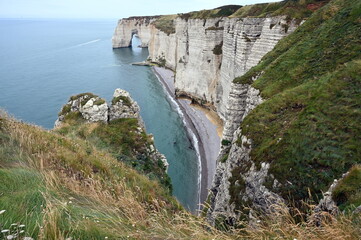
{"points": [[293, 9], [296, 9]]}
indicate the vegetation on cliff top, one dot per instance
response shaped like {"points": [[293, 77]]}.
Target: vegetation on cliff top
{"points": [[62, 186], [223, 11], [122, 138], [165, 23], [293, 9], [308, 126]]}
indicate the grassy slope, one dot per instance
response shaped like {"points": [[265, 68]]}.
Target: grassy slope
{"points": [[298, 9], [309, 126], [123, 140], [64, 186]]}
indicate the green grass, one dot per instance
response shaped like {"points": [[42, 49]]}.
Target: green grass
{"points": [[166, 24], [123, 140], [87, 95], [126, 101], [21, 196], [63, 187], [223, 11], [100, 101], [348, 190], [66, 109], [217, 50], [308, 127], [299, 9]]}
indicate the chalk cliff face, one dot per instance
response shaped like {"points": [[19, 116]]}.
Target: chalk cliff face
{"points": [[127, 27], [207, 55]]}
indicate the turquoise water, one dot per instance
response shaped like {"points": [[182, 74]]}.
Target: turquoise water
{"points": [[43, 62]]}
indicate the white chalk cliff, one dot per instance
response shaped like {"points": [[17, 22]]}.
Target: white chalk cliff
{"points": [[207, 55]]}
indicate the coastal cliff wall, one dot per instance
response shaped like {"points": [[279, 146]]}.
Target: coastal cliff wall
{"points": [[127, 27], [206, 54]]}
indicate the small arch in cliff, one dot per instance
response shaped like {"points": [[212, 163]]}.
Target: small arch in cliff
{"points": [[135, 40]]}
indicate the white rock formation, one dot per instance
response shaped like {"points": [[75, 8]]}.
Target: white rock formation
{"points": [[127, 27], [207, 55], [95, 109], [123, 106], [91, 107], [93, 112], [202, 71]]}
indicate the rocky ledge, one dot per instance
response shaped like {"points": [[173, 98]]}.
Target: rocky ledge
{"points": [[92, 108]]}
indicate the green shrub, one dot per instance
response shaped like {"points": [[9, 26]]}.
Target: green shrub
{"points": [[217, 50], [225, 142], [348, 190], [126, 101], [66, 109], [224, 158], [100, 101]]}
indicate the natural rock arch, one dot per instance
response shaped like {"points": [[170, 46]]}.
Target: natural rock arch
{"points": [[134, 33]]}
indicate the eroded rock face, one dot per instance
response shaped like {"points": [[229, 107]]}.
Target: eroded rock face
{"points": [[95, 109], [327, 206], [123, 106], [91, 107], [95, 112], [207, 54], [127, 27], [239, 184]]}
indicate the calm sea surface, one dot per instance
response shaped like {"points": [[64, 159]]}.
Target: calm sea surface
{"points": [[43, 62]]}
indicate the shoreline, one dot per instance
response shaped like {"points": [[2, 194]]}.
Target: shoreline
{"points": [[198, 124]]}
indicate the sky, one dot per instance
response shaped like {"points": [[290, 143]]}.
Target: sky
{"points": [[107, 8]]}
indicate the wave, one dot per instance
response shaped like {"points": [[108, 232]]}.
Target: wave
{"points": [[86, 43]]}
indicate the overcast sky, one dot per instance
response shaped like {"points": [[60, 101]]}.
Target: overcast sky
{"points": [[107, 8]]}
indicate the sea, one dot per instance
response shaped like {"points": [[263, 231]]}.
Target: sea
{"points": [[45, 61]]}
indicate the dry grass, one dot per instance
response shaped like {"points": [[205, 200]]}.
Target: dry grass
{"points": [[118, 203], [283, 225]]}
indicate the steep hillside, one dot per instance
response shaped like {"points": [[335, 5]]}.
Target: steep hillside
{"points": [[306, 132], [67, 184], [61, 186]]}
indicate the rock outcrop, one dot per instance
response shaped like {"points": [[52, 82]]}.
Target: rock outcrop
{"points": [[127, 27], [95, 109], [92, 108], [123, 106]]}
